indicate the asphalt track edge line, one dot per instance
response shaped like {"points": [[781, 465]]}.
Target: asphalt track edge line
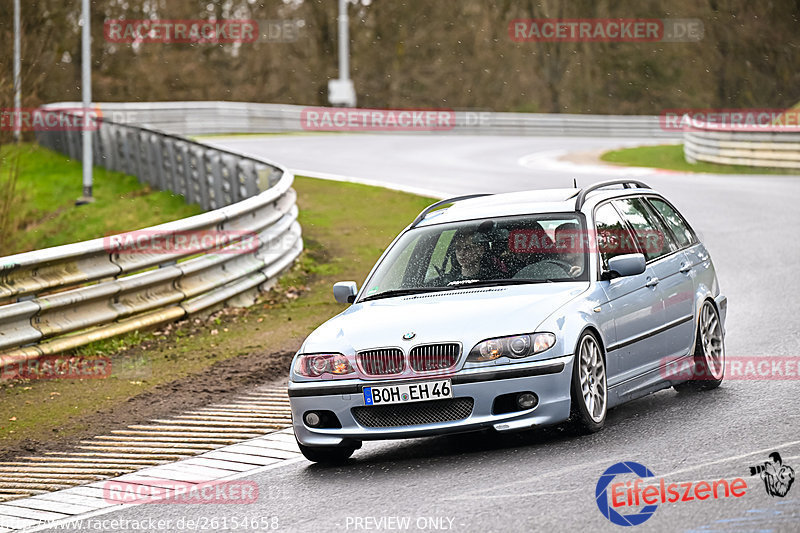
{"points": [[113, 508], [762, 451]]}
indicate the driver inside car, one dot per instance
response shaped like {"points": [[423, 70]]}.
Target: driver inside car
{"points": [[568, 243], [470, 254], [475, 255]]}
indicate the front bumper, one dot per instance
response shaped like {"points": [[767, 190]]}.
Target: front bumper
{"points": [[548, 379]]}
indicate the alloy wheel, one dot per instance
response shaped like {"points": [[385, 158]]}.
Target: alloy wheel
{"points": [[592, 373]]}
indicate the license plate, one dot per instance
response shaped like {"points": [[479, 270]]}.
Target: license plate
{"points": [[409, 392]]}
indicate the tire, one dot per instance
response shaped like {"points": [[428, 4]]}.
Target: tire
{"points": [[327, 455], [588, 390], [708, 369]]}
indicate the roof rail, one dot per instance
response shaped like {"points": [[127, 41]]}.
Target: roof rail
{"points": [[627, 184], [453, 200]]}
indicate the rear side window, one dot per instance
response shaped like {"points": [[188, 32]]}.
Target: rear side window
{"points": [[613, 237], [651, 235], [675, 222]]}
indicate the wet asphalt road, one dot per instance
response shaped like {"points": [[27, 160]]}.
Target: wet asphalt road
{"points": [[545, 480]]}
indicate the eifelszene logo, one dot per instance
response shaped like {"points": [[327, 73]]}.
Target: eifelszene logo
{"points": [[615, 497]]}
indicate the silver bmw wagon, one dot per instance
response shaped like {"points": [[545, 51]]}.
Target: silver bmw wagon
{"points": [[513, 311]]}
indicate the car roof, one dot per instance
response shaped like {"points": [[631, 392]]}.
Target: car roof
{"points": [[526, 202]]}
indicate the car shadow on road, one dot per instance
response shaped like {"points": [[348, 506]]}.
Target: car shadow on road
{"points": [[638, 421]]}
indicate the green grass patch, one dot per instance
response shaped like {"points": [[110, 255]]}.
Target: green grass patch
{"points": [[342, 237], [48, 183], [670, 157]]}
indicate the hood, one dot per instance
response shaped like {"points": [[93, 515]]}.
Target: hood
{"points": [[467, 316]]}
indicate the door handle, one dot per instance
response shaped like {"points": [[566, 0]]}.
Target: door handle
{"points": [[651, 282], [686, 267]]}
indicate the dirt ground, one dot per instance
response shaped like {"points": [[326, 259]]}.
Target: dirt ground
{"points": [[218, 383]]}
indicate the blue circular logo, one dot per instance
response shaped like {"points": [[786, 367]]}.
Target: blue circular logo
{"points": [[602, 497]]}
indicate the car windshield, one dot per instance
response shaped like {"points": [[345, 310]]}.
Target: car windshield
{"points": [[496, 251]]}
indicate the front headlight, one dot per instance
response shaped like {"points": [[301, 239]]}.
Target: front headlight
{"points": [[515, 347], [318, 364]]}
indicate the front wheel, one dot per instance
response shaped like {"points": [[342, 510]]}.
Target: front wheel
{"points": [[328, 455], [708, 363], [589, 392]]}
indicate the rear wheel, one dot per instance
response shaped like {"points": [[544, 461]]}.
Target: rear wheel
{"points": [[589, 393], [330, 455], [709, 353]]}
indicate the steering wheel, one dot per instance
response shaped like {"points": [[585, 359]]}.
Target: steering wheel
{"points": [[563, 265]]}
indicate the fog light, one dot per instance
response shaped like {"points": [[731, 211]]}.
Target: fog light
{"points": [[526, 400], [312, 419]]}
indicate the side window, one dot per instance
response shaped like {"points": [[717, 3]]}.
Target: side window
{"points": [[675, 222], [651, 235], [613, 237]]}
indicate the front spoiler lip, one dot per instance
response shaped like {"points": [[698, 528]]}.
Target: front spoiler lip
{"points": [[538, 368]]}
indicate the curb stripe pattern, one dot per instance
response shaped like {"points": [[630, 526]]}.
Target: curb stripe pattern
{"points": [[252, 431]]}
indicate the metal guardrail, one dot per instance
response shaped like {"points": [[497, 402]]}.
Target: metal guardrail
{"points": [[242, 117], [714, 144], [60, 298]]}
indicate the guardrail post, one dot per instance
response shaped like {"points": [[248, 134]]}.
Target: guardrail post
{"points": [[134, 156], [213, 177], [167, 150], [227, 188], [153, 161], [74, 144], [180, 170], [246, 179], [198, 180]]}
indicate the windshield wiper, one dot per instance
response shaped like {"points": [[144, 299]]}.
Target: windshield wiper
{"points": [[504, 281], [452, 286], [401, 292]]}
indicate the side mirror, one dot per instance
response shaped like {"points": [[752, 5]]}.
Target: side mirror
{"points": [[625, 265], [345, 292]]}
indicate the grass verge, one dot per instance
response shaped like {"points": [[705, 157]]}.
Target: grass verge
{"points": [[343, 238], [670, 157], [44, 195]]}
